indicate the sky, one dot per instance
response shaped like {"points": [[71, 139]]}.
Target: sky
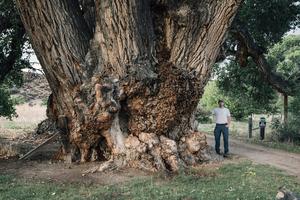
{"points": [[294, 32]]}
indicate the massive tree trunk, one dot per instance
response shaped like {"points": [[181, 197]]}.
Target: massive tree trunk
{"points": [[126, 76]]}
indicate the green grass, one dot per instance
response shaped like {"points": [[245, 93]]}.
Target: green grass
{"points": [[18, 99], [44, 102], [18, 125], [289, 147], [232, 181]]}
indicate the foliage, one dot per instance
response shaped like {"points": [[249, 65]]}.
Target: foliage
{"points": [[247, 88], [13, 44], [269, 20], [202, 115], [246, 85], [288, 132], [231, 181], [285, 57], [294, 106], [6, 104], [16, 99], [211, 96], [241, 101], [44, 102]]}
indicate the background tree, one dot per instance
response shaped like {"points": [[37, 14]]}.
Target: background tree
{"points": [[246, 90], [258, 26], [285, 57], [12, 45], [250, 88]]}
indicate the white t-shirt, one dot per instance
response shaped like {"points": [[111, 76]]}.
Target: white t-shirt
{"points": [[221, 115]]}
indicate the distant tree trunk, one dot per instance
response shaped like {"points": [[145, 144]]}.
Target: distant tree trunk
{"points": [[128, 75], [285, 108]]}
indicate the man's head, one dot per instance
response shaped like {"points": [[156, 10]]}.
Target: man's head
{"points": [[221, 103]]}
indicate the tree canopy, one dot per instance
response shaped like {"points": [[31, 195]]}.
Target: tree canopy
{"points": [[284, 57], [259, 25], [12, 46], [249, 87], [246, 90], [248, 75]]}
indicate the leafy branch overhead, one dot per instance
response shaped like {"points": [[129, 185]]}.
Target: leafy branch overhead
{"points": [[258, 26], [12, 40]]}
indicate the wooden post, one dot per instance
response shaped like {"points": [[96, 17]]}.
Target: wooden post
{"points": [[285, 108], [250, 125]]}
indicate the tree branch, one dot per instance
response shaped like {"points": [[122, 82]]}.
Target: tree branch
{"points": [[59, 36], [248, 47], [194, 32]]}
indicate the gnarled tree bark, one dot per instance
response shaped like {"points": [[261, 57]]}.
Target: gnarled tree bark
{"points": [[127, 75]]}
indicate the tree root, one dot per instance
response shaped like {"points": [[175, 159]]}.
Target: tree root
{"points": [[106, 166], [151, 153]]}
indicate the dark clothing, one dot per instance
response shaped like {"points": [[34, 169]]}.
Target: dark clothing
{"points": [[262, 126], [221, 128], [262, 133]]}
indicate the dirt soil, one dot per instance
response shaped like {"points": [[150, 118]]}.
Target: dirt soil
{"points": [[67, 173], [288, 162]]}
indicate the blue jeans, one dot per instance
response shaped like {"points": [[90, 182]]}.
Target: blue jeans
{"points": [[221, 128]]}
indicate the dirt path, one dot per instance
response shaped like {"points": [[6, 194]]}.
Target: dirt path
{"points": [[289, 162]]}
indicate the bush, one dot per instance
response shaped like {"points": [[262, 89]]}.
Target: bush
{"points": [[289, 132], [203, 116], [17, 100], [6, 104]]}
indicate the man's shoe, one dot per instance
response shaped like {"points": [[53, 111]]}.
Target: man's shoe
{"points": [[226, 155]]}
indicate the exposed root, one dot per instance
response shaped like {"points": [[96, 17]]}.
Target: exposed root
{"points": [[151, 153], [108, 165]]}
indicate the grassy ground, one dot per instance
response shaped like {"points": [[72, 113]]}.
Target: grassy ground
{"points": [[27, 120], [289, 147], [239, 130], [231, 181]]}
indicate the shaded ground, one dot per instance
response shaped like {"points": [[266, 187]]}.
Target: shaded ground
{"points": [[66, 173], [289, 162]]}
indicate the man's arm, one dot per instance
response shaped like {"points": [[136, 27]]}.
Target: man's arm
{"points": [[213, 112], [228, 119]]}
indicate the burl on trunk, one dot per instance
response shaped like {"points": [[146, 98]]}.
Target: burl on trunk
{"points": [[126, 76]]}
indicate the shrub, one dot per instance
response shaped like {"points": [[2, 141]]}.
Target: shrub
{"points": [[202, 115], [289, 132], [6, 104]]}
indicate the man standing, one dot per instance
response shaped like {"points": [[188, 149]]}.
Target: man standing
{"points": [[223, 119]]}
